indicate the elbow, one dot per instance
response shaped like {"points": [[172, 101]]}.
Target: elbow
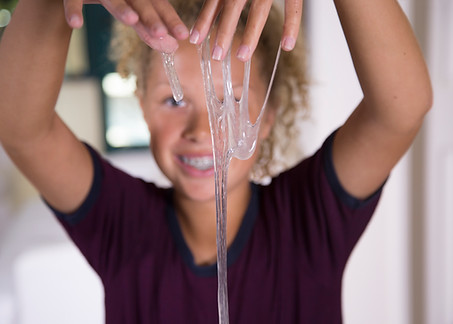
{"points": [[424, 92], [425, 98], [405, 111], [416, 96], [418, 104], [425, 101]]}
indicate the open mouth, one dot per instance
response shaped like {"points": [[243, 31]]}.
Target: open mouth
{"points": [[201, 163]]}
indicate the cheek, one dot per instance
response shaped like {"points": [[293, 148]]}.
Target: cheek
{"points": [[159, 132], [165, 131], [160, 145]]}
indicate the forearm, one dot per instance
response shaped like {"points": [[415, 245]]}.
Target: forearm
{"points": [[32, 59], [388, 62]]}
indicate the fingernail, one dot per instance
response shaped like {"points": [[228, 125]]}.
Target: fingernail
{"points": [[194, 36], [243, 52], [129, 16], [75, 21], [181, 31], [217, 53], [158, 30], [288, 43]]}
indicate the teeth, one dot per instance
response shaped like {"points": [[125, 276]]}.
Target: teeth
{"points": [[200, 163]]}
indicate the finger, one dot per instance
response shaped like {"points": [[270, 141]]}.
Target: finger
{"points": [[293, 16], [205, 20], [73, 13], [120, 10], [259, 11], [171, 19], [165, 44], [149, 18], [227, 26]]}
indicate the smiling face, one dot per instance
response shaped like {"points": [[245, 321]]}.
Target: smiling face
{"points": [[180, 133]]}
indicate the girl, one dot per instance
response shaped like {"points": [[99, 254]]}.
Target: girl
{"points": [[153, 248]]}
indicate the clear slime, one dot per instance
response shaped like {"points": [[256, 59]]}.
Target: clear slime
{"points": [[233, 135], [168, 60]]}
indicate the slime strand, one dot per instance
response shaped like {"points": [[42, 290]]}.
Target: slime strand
{"points": [[168, 60]]}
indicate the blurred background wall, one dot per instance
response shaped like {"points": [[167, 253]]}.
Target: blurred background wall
{"points": [[401, 272]]}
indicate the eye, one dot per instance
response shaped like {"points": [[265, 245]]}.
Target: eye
{"points": [[171, 102]]}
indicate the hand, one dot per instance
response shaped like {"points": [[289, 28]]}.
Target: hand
{"points": [[230, 12], [156, 22]]}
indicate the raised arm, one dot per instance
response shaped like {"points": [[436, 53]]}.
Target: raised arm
{"points": [[32, 58], [397, 93]]}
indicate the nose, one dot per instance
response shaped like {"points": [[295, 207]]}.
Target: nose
{"points": [[197, 128]]}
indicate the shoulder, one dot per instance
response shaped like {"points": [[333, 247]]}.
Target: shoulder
{"points": [[316, 175], [113, 189], [120, 214]]}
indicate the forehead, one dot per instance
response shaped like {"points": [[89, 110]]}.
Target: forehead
{"points": [[187, 65]]}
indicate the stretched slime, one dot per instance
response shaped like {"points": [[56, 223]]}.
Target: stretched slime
{"points": [[232, 134]]}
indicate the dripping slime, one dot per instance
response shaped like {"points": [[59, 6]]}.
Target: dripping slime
{"points": [[168, 60], [233, 135]]}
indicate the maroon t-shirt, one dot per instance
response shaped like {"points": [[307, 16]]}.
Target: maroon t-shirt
{"points": [[285, 265]]}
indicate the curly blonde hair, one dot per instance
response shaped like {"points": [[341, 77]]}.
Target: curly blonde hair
{"points": [[288, 94]]}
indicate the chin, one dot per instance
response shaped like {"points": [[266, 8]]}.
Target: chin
{"points": [[202, 193]]}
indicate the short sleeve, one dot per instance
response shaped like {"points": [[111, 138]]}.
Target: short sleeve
{"points": [[319, 218], [120, 214], [337, 188]]}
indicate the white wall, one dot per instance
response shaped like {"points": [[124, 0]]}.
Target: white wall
{"points": [[436, 173]]}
